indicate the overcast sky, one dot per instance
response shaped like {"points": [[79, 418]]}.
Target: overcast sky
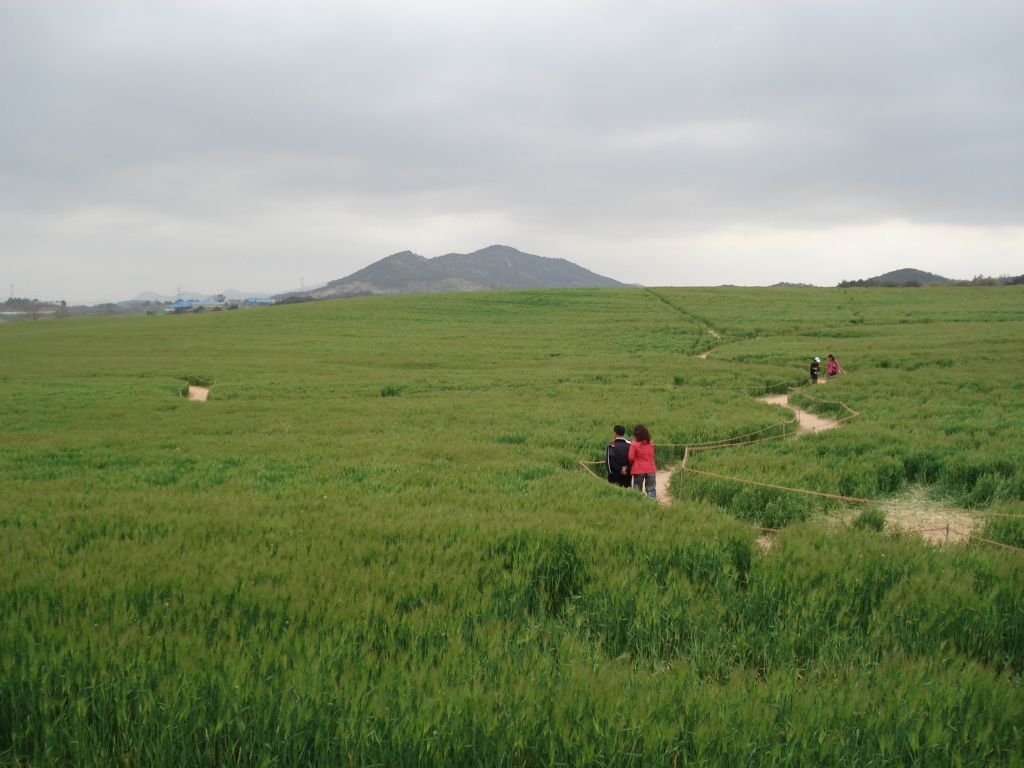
{"points": [[260, 146]]}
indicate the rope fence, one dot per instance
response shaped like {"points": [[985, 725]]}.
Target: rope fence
{"points": [[964, 534], [765, 388], [718, 344], [997, 543], [853, 413]]}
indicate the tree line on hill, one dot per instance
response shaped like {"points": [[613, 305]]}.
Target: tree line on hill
{"points": [[979, 280]]}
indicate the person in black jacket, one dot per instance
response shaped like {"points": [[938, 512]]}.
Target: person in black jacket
{"points": [[815, 367], [616, 458]]}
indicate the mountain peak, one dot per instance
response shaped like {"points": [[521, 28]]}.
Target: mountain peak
{"points": [[490, 268], [899, 277]]}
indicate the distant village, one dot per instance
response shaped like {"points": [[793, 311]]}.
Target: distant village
{"points": [[17, 309], [216, 303]]}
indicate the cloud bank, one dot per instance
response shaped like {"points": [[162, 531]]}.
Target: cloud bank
{"points": [[253, 145]]}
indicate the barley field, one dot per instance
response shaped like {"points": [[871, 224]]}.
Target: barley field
{"points": [[375, 544]]}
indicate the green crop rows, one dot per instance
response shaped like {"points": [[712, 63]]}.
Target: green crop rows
{"points": [[374, 544]]}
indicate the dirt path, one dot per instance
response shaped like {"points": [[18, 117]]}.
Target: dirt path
{"points": [[661, 483], [717, 335], [806, 422]]}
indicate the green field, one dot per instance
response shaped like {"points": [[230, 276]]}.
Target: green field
{"points": [[375, 544]]}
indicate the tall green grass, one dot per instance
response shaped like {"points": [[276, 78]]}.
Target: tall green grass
{"points": [[306, 571]]}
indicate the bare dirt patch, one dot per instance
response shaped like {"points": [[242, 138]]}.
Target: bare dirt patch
{"points": [[911, 511], [198, 393]]}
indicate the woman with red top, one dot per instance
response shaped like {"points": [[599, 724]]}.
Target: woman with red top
{"points": [[641, 461], [832, 369]]}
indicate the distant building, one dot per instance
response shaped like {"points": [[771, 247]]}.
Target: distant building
{"points": [[196, 306], [258, 302]]}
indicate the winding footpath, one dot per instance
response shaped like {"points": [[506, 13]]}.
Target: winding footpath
{"points": [[806, 422]]}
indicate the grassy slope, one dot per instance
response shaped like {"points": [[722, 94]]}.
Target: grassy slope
{"points": [[306, 571]]}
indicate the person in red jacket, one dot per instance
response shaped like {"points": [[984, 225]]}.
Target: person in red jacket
{"points": [[641, 461], [832, 369]]}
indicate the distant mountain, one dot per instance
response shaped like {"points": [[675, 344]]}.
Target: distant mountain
{"points": [[497, 267], [503, 267], [900, 277]]}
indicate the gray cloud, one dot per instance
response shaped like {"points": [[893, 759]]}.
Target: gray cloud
{"points": [[224, 135]]}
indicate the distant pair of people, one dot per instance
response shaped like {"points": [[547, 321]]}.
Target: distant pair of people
{"points": [[632, 463], [832, 368]]}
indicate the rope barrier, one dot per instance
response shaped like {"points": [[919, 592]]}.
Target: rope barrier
{"points": [[945, 528], [964, 534], [748, 442], [729, 440], [745, 390], [853, 413], [989, 541], [709, 350]]}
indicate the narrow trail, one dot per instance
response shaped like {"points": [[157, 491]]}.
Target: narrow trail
{"points": [[717, 335], [661, 483], [806, 421]]}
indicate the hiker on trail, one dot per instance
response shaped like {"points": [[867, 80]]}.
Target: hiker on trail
{"points": [[641, 461], [616, 458], [832, 368], [815, 367]]}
